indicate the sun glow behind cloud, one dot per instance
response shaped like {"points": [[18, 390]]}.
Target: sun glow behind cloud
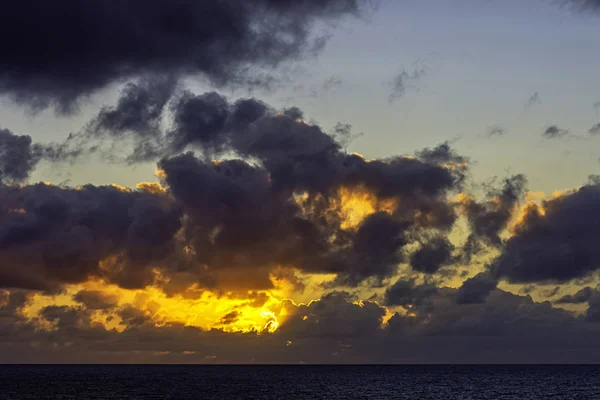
{"points": [[229, 310]]}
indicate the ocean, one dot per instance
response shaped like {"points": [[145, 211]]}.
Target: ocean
{"points": [[298, 382]]}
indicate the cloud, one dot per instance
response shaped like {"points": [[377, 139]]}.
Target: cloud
{"points": [[488, 219], [534, 100], [95, 46], [554, 132], [51, 236], [278, 203], [476, 290], [406, 293], [403, 81], [19, 156], [584, 5], [95, 299], [581, 296], [432, 255], [554, 241], [496, 131], [338, 328]]}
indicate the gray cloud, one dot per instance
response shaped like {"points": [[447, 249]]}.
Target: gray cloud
{"points": [[534, 100], [477, 289], [496, 131], [581, 296], [432, 255], [488, 219], [403, 81], [92, 46], [554, 132], [555, 244]]}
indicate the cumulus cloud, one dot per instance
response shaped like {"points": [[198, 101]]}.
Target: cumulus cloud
{"points": [[488, 219], [243, 215], [554, 241], [476, 290], [338, 328], [432, 255]]}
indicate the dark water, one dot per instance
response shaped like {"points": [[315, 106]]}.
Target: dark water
{"points": [[300, 382]]}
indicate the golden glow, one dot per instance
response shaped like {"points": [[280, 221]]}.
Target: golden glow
{"points": [[357, 203], [160, 173], [151, 187], [120, 188], [258, 311]]}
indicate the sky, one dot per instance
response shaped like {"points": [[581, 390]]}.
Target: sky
{"points": [[273, 181]]}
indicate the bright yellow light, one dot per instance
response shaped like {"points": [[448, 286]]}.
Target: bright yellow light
{"points": [[208, 310], [357, 203]]}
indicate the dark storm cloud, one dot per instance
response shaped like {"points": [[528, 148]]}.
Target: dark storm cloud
{"points": [[236, 208], [335, 329], [554, 132], [335, 316], [95, 300], [375, 251], [86, 47], [554, 241], [50, 236], [138, 110], [488, 219], [581, 296], [407, 293], [595, 130], [19, 156], [592, 314], [239, 217], [294, 113], [432, 255], [477, 289]]}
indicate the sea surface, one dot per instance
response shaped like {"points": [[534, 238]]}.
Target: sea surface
{"points": [[299, 382]]}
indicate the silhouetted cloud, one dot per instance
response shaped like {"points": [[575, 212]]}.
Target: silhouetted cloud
{"points": [[406, 293], [19, 156], [581, 296], [488, 219], [554, 241], [432, 255], [92, 47], [477, 289]]}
